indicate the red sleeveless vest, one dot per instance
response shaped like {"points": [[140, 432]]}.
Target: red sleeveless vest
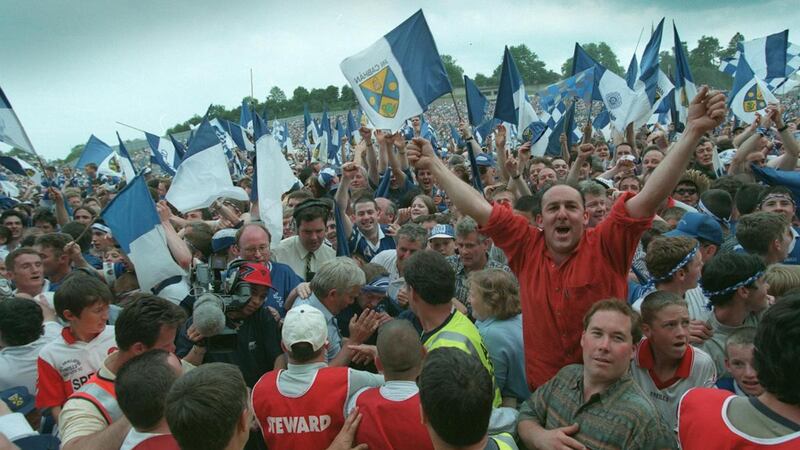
{"points": [[701, 425], [390, 424], [309, 421]]}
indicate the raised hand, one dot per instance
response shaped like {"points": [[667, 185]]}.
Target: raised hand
{"points": [[707, 111]]}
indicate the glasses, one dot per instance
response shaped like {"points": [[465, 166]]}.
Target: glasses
{"points": [[252, 251], [686, 191]]}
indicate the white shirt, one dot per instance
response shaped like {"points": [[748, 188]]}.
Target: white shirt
{"points": [[18, 364], [291, 252]]}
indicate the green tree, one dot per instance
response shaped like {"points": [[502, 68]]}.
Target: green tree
{"points": [[454, 72], [531, 68], [706, 53], [276, 95], [300, 96], [483, 81], [346, 95], [730, 51], [602, 53], [74, 154]]}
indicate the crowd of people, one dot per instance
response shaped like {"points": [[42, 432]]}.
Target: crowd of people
{"points": [[637, 292]]}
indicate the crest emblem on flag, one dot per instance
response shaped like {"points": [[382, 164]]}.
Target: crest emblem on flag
{"points": [[113, 164], [382, 92], [753, 99], [613, 100]]}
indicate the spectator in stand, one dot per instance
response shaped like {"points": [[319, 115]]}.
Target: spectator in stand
{"points": [[743, 379]]}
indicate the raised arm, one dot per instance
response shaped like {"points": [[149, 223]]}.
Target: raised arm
{"points": [[500, 141], [467, 200], [343, 196], [177, 247], [584, 152], [372, 158], [788, 160], [706, 112]]}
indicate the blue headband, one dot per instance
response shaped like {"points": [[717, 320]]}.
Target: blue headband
{"points": [[704, 209], [686, 259], [733, 288], [378, 285]]}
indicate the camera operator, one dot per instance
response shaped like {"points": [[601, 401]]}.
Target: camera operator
{"points": [[257, 335]]}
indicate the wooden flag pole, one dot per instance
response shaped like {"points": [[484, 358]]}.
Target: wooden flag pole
{"points": [[131, 127]]}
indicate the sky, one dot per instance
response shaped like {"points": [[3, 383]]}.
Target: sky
{"points": [[74, 68]]}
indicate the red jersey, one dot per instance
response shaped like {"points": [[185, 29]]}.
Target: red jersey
{"points": [[392, 424], [310, 420], [554, 298], [703, 424]]}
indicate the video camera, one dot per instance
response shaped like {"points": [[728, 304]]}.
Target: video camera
{"points": [[217, 290]]}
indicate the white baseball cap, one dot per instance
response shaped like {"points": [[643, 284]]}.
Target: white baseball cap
{"points": [[304, 323]]}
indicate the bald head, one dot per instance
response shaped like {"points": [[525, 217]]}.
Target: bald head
{"points": [[399, 350]]}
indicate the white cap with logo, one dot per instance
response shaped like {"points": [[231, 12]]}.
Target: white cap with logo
{"points": [[304, 323]]}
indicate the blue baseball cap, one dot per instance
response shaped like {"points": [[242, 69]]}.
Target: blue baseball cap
{"points": [[18, 399], [442, 231], [698, 226], [484, 159]]}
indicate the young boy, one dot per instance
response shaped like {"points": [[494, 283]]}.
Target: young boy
{"points": [[743, 379], [666, 366], [65, 364]]}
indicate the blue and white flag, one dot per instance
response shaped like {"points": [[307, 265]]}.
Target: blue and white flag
{"points": [[456, 136], [579, 85], [327, 148], [620, 100], [11, 131], [728, 65], [273, 177], [180, 149], [162, 152], [311, 134], [126, 165], [341, 133], [773, 59], [549, 143], [95, 151], [477, 103], [135, 225], [246, 116], [352, 129], [512, 104], [602, 123], [633, 72], [662, 103], [427, 132], [398, 76], [240, 137], [685, 89], [748, 94], [203, 175], [21, 167], [649, 68], [767, 56]]}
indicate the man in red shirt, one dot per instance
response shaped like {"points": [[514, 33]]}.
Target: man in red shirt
{"points": [[563, 268]]}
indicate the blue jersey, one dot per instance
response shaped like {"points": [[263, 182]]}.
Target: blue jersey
{"points": [[359, 244], [284, 280]]}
